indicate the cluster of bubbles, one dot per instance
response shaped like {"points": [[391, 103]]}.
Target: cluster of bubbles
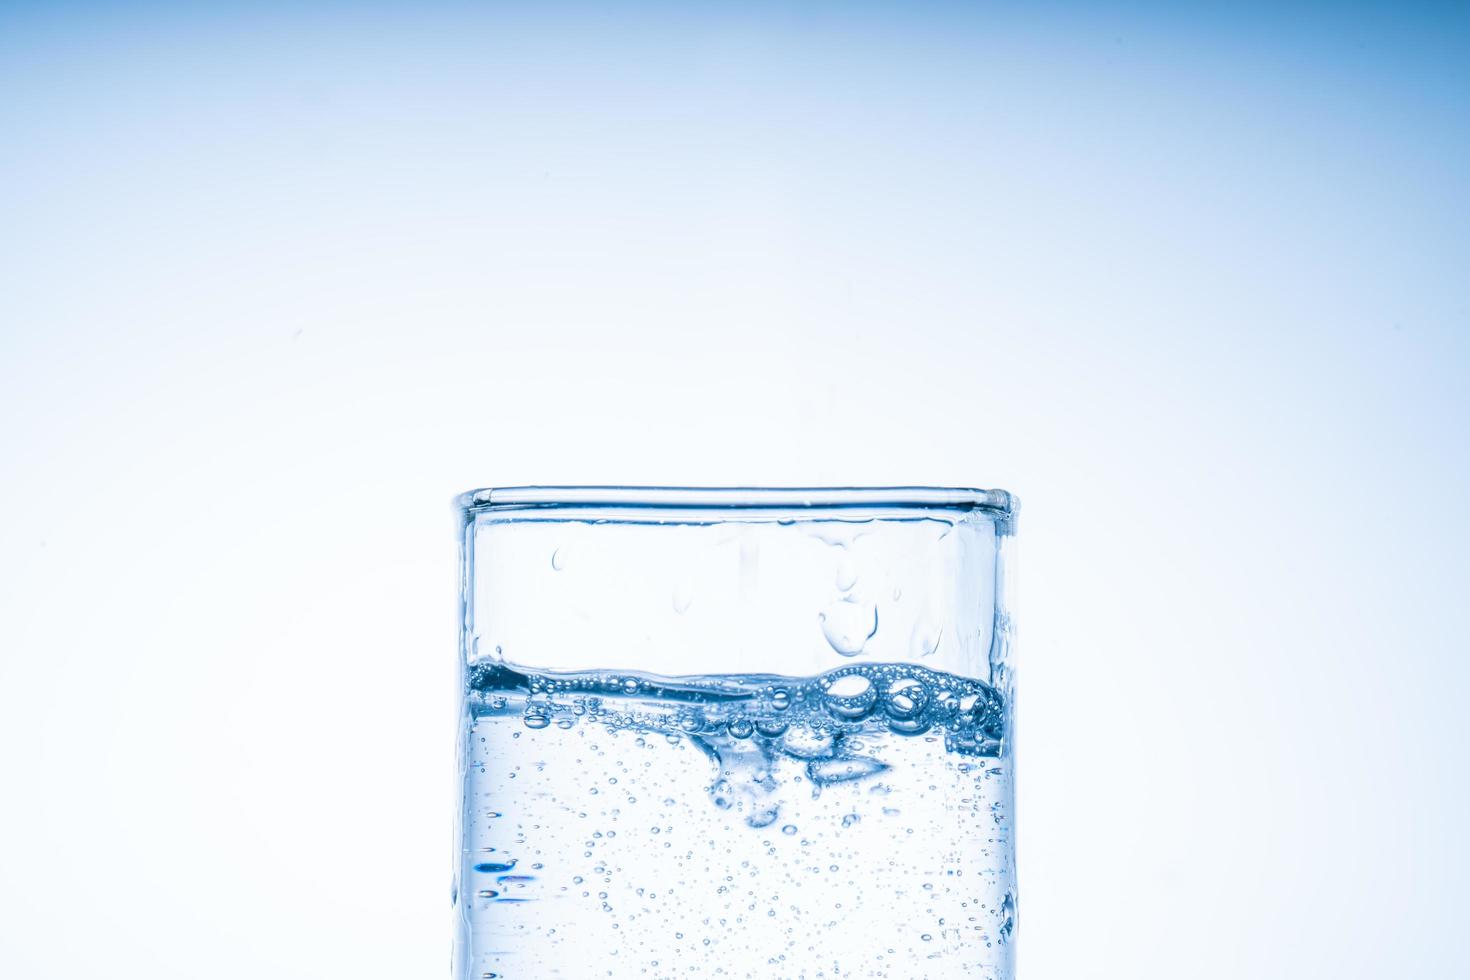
{"points": [[797, 715], [776, 817]]}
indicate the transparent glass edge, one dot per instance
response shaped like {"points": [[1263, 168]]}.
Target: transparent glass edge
{"points": [[999, 503]]}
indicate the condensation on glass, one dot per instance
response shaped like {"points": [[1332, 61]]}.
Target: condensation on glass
{"points": [[735, 733]]}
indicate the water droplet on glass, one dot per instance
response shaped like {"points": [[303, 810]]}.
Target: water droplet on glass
{"points": [[848, 624], [835, 533], [925, 639], [557, 561]]}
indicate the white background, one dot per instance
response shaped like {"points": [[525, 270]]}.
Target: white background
{"points": [[276, 285]]}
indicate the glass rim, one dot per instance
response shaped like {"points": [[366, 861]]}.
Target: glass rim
{"points": [[998, 502]]}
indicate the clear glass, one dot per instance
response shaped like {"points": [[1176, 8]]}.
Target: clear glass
{"points": [[735, 733]]}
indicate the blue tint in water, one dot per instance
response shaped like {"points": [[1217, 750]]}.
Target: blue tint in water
{"points": [[737, 825]]}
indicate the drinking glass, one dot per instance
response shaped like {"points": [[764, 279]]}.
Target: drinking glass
{"points": [[756, 733]]}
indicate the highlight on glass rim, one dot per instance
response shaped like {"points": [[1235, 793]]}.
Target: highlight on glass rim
{"points": [[736, 733]]}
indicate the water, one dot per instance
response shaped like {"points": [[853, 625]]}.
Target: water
{"points": [[853, 824]]}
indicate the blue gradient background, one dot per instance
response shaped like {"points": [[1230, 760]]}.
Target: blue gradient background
{"points": [[279, 279]]}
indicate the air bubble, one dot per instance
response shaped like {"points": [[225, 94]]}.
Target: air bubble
{"points": [[909, 726], [764, 815], [722, 794], [905, 699], [557, 561], [843, 770], [850, 696], [847, 682], [804, 742]]}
